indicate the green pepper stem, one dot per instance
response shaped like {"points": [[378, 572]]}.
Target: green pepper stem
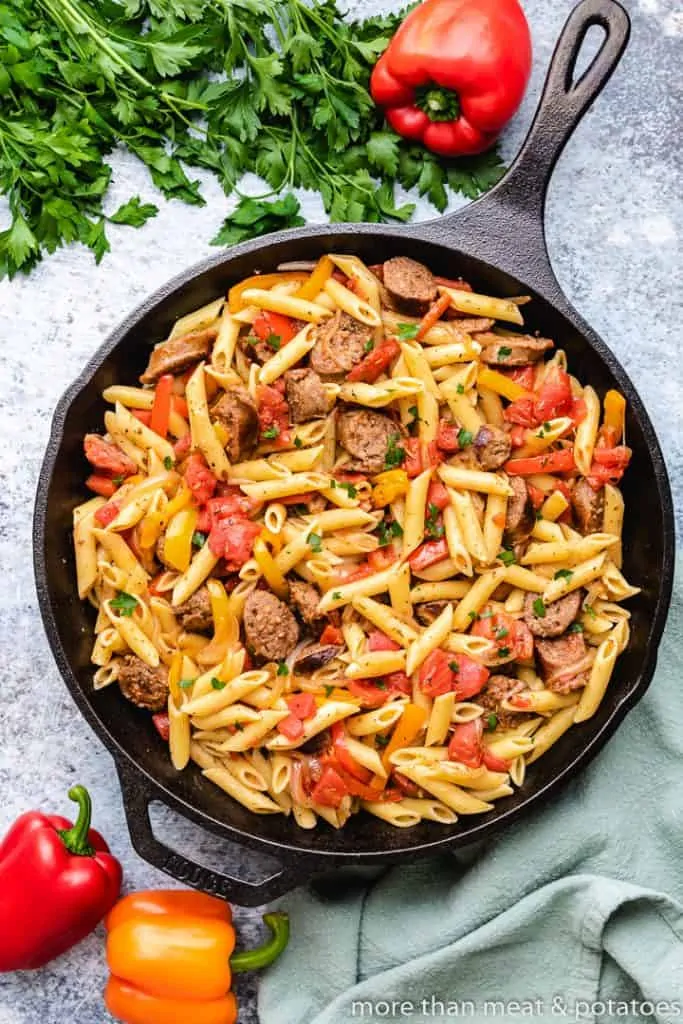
{"points": [[437, 103], [253, 959], [76, 838]]}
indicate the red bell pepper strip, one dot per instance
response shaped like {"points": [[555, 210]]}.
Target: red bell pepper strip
{"points": [[433, 315], [465, 743], [429, 553], [561, 461], [375, 362], [161, 410], [268, 325], [330, 789], [302, 705], [382, 558], [435, 676], [342, 755], [57, 882], [454, 73], [144, 415], [107, 457], [332, 635], [102, 485]]}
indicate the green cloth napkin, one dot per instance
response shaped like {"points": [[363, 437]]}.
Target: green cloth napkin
{"points": [[579, 903]]}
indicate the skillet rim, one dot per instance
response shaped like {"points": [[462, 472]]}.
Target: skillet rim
{"points": [[125, 762]]}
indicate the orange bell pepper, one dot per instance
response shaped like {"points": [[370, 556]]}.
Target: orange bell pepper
{"points": [[171, 958]]}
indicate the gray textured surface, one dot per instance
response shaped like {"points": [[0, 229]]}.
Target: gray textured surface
{"points": [[614, 225]]}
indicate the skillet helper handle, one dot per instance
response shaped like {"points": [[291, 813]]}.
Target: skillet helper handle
{"points": [[136, 800]]}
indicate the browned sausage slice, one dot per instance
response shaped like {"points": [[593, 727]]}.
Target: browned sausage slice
{"points": [[305, 599], [195, 615], [306, 395], [564, 663], [588, 506], [410, 284], [179, 354], [366, 435], [314, 657], [558, 615], [237, 411], [498, 689], [500, 350], [142, 685], [270, 629], [340, 344], [520, 516], [492, 446]]}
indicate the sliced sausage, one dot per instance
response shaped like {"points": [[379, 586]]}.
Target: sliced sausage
{"points": [[519, 516], [558, 615], [475, 324], [410, 284], [306, 395], [178, 354], [500, 350], [340, 344], [366, 436], [270, 629], [498, 689], [563, 661], [315, 656], [492, 446], [427, 612], [305, 599], [145, 686], [195, 615], [588, 506], [107, 457], [237, 411]]}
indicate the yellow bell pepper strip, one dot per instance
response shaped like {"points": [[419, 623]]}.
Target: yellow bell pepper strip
{"points": [[405, 731], [323, 269], [274, 541], [154, 522], [615, 414], [389, 486], [170, 959], [178, 539], [271, 573], [502, 385], [235, 301]]}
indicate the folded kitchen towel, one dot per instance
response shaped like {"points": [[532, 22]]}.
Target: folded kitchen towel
{"points": [[575, 913]]}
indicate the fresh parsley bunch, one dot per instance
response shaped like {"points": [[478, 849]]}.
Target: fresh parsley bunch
{"points": [[272, 86]]}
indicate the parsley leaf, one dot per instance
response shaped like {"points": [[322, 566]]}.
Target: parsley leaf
{"points": [[539, 608], [329, 689], [168, 463], [465, 438], [395, 455], [298, 443], [381, 741], [198, 539], [185, 684], [124, 603], [503, 652], [350, 489], [563, 574], [491, 721], [407, 332], [473, 616], [336, 594], [502, 633], [433, 528], [504, 351], [414, 413], [386, 531], [576, 627], [460, 389], [368, 346], [507, 556], [453, 666], [271, 432], [217, 684], [134, 213], [274, 341], [315, 542], [282, 669]]}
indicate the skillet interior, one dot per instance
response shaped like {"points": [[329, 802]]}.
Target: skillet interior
{"points": [[129, 732]]}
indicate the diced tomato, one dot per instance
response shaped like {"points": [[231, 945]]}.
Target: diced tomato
{"points": [[302, 705], [330, 789], [273, 414], [343, 756], [447, 436], [106, 514], [331, 635], [232, 503], [379, 641], [371, 693], [511, 635], [398, 682], [107, 456], [382, 558], [522, 413], [438, 495], [102, 485], [375, 362], [413, 460], [267, 323], [517, 436], [182, 446], [493, 763], [143, 415], [162, 725], [429, 553], [204, 520], [470, 678], [555, 397], [608, 465], [525, 376], [465, 743], [435, 676], [431, 456], [199, 479], [233, 538], [291, 727], [536, 495]]}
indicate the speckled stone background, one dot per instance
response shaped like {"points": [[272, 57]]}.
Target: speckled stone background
{"points": [[615, 218]]}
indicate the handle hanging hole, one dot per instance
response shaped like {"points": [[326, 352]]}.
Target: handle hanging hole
{"points": [[587, 50]]}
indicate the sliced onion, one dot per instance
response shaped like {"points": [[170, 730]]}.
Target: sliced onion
{"points": [[297, 265], [296, 783]]}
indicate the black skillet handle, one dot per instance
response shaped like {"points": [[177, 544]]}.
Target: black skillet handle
{"points": [[506, 226], [136, 800]]}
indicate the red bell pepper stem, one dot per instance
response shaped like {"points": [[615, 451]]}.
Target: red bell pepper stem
{"points": [[76, 838], [254, 959]]}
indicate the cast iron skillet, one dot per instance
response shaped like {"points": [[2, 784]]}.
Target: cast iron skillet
{"points": [[498, 244]]}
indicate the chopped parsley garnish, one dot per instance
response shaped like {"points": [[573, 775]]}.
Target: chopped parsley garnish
{"points": [[563, 574], [118, 480], [433, 528], [329, 690], [504, 351], [315, 542], [168, 463], [460, 389], [486, 615], [380, 684], [185, 684], [381, 741], [387, 531], [473, 616], [395, 455], [298, 443], [576, 627], [465, 438], [271, 432], [502, 633], [539, 608], [350, 489], [407, 332], [282, 669], [453, 666], [541, 432], [124, 603], [274, 341], [507, 556], [251, 339], [590, 610], [503, 652], [336, 595], [198, 539], [238, 726], [218, 684], [546, 425], [414, 413], [369, 345], [491, 721]]}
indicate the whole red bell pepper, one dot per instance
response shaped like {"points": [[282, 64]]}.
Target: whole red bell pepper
{"points": [[57, 881], [454, 73]]}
